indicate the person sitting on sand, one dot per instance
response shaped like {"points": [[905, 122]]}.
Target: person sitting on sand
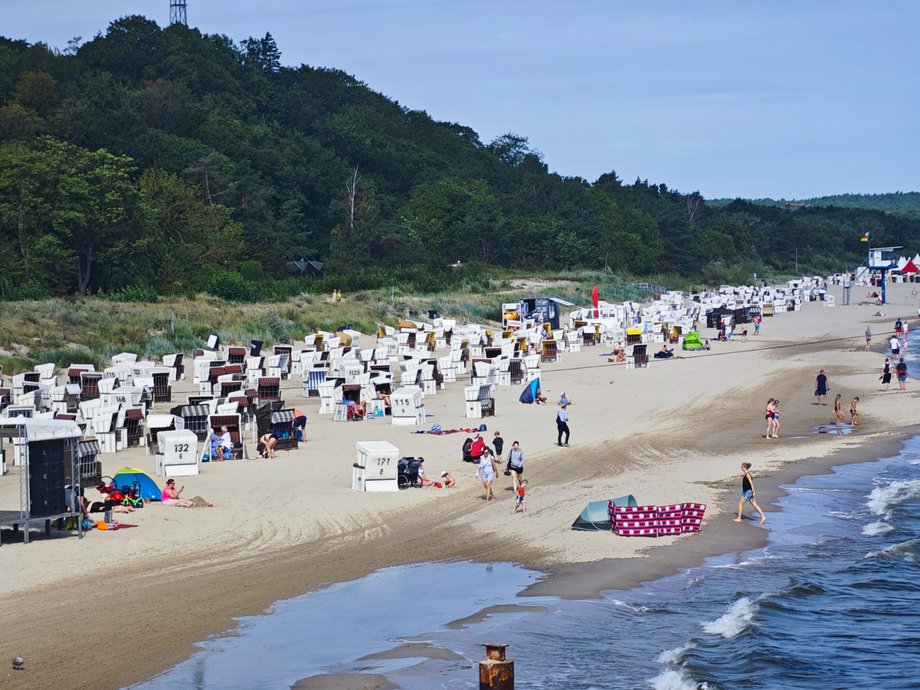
{"points": [[747, 492], [423, 479], [539, 398], [170, 496], [479, 445], [665, 352], [448, 480], [467, 450]]}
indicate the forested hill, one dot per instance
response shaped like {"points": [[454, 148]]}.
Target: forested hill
{"points": [[177, 161], [898, 203]]}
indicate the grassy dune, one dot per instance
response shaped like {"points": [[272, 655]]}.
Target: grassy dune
{"points": [[91, 330]]}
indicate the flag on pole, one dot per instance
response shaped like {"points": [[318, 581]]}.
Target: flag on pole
{"points": [[865, 237]]}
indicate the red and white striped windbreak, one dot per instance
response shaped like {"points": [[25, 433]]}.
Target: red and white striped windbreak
{"points": [[655, 521]]}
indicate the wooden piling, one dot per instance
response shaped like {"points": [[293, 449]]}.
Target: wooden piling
{"points": [[495, 672]]}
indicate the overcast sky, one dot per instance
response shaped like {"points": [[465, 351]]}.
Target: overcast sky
{"points": [[786, 98]]}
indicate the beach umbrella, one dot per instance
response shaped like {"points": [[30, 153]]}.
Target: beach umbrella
{"points": [[597, 312], [529, 394]]}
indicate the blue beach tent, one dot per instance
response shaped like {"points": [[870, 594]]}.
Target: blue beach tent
{"points": [[529, 394], [126, 476], [596, 515]]}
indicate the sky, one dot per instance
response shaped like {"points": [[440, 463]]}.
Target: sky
{"points": [[782, 99]]}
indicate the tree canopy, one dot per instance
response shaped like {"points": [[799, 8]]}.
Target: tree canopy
{"points": [[165, 157]]}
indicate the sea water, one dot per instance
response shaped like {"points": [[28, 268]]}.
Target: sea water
{"points": [[833, 601]]}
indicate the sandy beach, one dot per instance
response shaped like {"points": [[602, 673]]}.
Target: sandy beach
{"points": [[115, 608]]}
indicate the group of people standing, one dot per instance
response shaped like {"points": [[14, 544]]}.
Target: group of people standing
{"points": [[476, 450]]}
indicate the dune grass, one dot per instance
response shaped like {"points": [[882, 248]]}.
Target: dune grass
{"points": [[91, 330]]}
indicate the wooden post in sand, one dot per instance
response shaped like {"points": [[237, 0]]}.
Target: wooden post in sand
{"points": [[494, 672]]}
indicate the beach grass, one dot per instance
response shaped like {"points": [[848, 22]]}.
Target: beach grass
{"points": [[92, 329]]}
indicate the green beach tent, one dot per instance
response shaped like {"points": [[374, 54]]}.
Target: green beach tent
{"points": [[596, 515], [693, 341]]}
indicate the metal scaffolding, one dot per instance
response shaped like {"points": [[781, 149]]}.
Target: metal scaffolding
{"points": [[16, 431]]}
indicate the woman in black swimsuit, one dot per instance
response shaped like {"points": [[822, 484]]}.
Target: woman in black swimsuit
{"points": [[747, 492]]}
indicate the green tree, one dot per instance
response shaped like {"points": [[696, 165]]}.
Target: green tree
{"points": [[185, 241]]}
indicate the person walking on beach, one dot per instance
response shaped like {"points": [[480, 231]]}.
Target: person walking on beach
{"points": [[854, 413], [821, 388], [562, 426], [515, 466], [838, 412], [757, 320], [776, 417], [901, 370], [747, 492], [769, 418], [885, 378], [486, 472], [520, 492], [895, 346], [868, 338]]}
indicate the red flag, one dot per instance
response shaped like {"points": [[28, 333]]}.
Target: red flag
{"points": [[597, 312]]}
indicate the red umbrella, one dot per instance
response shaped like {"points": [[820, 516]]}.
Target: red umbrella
{"points": [[597, 312]]}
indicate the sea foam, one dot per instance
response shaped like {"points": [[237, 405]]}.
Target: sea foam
{"points": [[875, 529], [905, 549], [882, 498], [735, 621], [670, 657], [675, 680]]}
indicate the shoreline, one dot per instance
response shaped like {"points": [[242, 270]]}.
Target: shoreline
{"points": [[213, 565], [590, 581]]}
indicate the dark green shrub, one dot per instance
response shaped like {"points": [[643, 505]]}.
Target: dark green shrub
{"points": [[230, 286], [140, 293]]}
